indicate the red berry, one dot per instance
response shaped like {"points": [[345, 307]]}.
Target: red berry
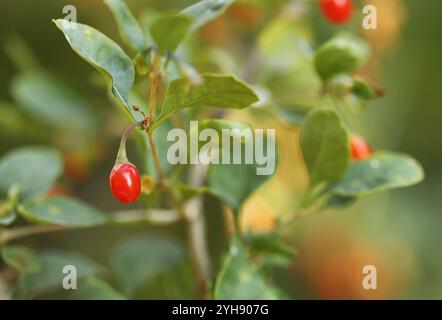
{"points": [[359, 148], [125, 182], [337, 11]]}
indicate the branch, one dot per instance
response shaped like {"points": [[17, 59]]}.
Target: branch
{"points": [[197, 231], [155, 77], [192, 212], [196, 226], [153, 216], [157, 162]]}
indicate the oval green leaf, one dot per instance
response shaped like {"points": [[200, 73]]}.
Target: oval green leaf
{"points": [[214, 91], [239, 279], [95, 289], [48, 100], [340, 55], [20, 258], [139, 259], [220, 124], [363, 90], [32, 170], [383, 171], [49, 278], [203, 12], [103, 54], [233, 129], [62, 211], [169, 30], [128, 26], [325, 147], [234, 183], [337, 201], [270, 248]]}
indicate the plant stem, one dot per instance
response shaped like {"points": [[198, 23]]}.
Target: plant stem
{"points": [[197, 232], [195, 220], [231, 227], [157, 162], [197, 243], [154, 216], [195, 229], [121, 156], [155, 76]]}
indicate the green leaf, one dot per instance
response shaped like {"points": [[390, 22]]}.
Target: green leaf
{"points": [[234, 183], [214, 91], [147, 18], [340, 55], [239, 279], [49, 101], [271, 248], [219, 125], [8, 218], [363, 90], [103, 54], [50, 276], [169, 30], [95, 289], [61, 211], [7, 207], [139, 259], [383, 171], [236, 132], [205, 11], [337, 201], [32, 170], [325, 147], [293, 115], [128, 26], [180, 283], [20, 258], [234, 129]]}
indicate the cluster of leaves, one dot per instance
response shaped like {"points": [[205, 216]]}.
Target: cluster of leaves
{"points": [[41, 273], [328, 72]]}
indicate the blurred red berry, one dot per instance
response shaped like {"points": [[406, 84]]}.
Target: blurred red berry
{"points": [[337, 11], [359, 148]]}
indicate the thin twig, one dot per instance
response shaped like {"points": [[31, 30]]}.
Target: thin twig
{"points": [[197, 231], [155, 76], [154, 216], [230, 227], [195, 221], [196, 228], [157, 162]]}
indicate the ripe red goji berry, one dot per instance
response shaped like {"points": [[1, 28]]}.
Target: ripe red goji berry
{"points": [[125, 182], [124, 179]]}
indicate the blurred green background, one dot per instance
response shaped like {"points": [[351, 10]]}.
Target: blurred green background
{"points": [[399, 232]]}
